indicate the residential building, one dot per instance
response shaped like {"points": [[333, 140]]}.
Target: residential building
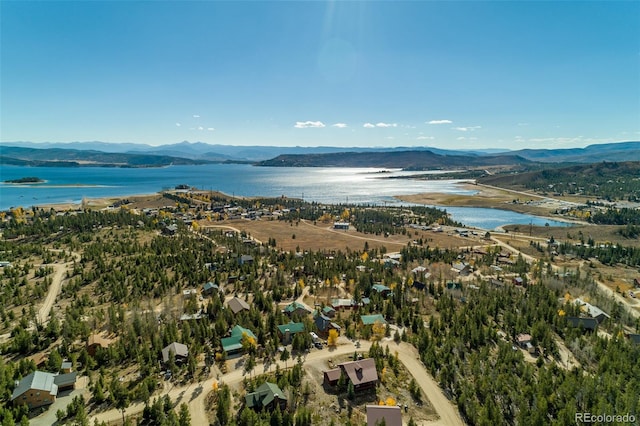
{"points": [[324, 324], [381, 289], [189, 293], [180, 352], [238, 305], [362, 374], [266, 397], [209, 288], [286, 331], [588, 324], [367, 320], [94, 342], [524, 341], [461, 268], [296, 308], [41, 388], [329, 311], [232, 345], [390, 415], [592, 311]]}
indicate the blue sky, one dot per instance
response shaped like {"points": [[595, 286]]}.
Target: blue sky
{"points": [[455, 74]]}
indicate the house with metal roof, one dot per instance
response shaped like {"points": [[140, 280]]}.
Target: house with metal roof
{"points": [[324, 324], [35, 390], [296, 308], [286, 331], [232, 345], [372, 319], [238, 305], [461, 268], [381, 289], [41, 388], [588, 324], [592, 311], [180, 352], [329, 311], [266, 397], [209, 288], [389, 415]]}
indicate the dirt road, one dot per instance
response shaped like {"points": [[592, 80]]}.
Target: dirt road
{"points": [[54, 288], [603, 287], [194, 394], [447, 411]]}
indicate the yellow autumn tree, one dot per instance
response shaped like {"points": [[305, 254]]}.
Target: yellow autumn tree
{"points": [[378, 330], [248, 342], [391, 402], [383, 376], [18, 214], [332, 339], [364, 256]]}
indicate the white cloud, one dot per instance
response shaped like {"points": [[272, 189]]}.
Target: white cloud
{"points": [[308, 124], [386, 124], [460, 138], [196, 116], [467, 129], [425, 138], [211, 129], [390, 138], [178, 124], [439, 122], [200, 128], [340, 125], [368, 125]]}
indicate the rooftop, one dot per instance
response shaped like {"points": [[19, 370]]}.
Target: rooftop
{"points": [[391, 414], [372, 319]]}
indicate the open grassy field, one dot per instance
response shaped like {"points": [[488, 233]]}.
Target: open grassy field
{"points": [[307, 236]]}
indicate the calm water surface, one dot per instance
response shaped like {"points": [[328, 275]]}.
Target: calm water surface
{"points": [[326, 185]]}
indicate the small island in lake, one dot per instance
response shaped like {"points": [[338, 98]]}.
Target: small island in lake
{"points": [[28, 179]]}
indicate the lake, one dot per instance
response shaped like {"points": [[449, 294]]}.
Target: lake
{"points": [[321, 184]]}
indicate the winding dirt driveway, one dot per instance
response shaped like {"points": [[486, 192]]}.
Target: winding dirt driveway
{"points": [[54, 289]]}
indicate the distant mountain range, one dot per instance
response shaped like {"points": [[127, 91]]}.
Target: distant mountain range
{"points": [[408, 160], [57, 157], [139, 155]]}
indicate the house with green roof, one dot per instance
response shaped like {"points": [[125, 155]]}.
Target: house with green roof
{"points": [[266, 397], [295, 307], [381, 289], [232, 345], [286, 331], [366, 320], [329, 311]]}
